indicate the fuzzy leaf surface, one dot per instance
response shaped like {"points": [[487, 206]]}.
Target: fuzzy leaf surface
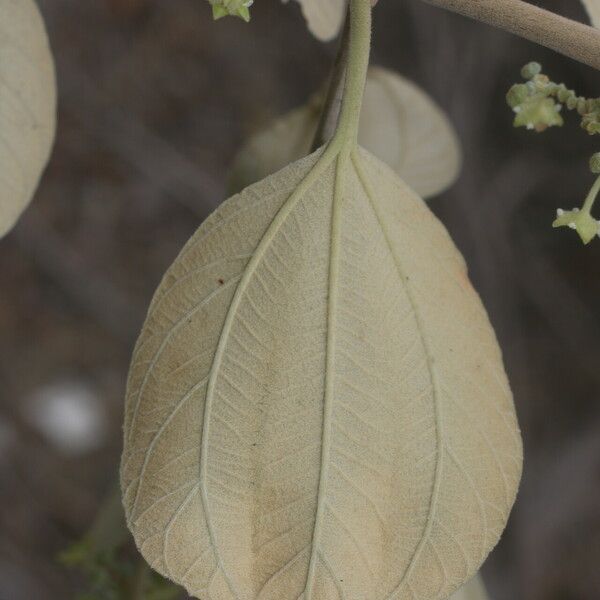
{"points": [[400, 124], [317, 407], [27, 106]]}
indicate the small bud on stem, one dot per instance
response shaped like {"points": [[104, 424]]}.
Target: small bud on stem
{"points": [[236, 8]]}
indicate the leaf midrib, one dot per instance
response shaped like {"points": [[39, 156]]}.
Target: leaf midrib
{"points": [[332, 154], [322, 163]]}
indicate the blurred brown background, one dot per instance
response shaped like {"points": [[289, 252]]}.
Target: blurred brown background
{"points": [[154, 100]]}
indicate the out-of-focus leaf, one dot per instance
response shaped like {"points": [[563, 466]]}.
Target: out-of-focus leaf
{"points": [[285, 140], [27, 106], [472, 590], [405, 128], [400, 124], [324, 17], [111, 571], [593, 10]]}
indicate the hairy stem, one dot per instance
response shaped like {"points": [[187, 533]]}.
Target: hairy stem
{"points": [[356, 72], [571, 38], [591, 197]]}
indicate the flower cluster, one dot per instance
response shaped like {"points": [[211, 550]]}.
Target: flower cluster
{"points": [[532, 102], [538, 102], [236, 8], [581, 220], [537, 105]]}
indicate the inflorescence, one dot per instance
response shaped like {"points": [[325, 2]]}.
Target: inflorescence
{"points": [[538, 104]]}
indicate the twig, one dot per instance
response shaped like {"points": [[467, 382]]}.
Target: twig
{"points": [[568, 37]]}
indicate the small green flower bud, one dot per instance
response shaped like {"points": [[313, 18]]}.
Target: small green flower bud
{"points": [[530, 70], [539, 113], [571, 102], [580, 220], [236, 8], [563, 93], [591, 125], [517, 94], [595, 163]]}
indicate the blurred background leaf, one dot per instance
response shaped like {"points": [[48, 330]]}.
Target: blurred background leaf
{"points": [[400, 124]]}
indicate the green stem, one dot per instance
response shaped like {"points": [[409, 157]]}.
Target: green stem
{"points": [[591, 197], [356, 73], [330, 113]]}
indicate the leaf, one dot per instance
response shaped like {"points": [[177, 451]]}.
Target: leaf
{"points": [[316, 406], [400, 124], [109, 570], [404, 127], [284, 141], [28, 106], [593, 9], [472, 590]]}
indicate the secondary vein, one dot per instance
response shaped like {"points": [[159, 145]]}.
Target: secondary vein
{"points": [[329, 383], [356, 161], [318, 168]]}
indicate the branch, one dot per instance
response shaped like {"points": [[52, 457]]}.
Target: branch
{"points": [[571, 38]]}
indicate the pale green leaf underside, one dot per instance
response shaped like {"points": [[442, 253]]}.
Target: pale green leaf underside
{"points": [[27, 106], [399, 123], [316, 407]]}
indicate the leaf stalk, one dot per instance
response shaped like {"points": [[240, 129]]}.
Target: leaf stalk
{"points": [[356, 73], [333, 100], [591, 197]]}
